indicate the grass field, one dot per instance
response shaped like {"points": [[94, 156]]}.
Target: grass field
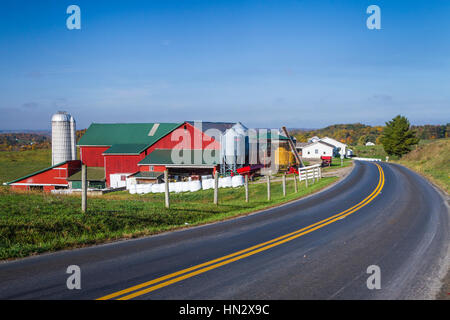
{"points": [[336, 164], [32, 223], [376, 151], [16, 164], [431, 159]]}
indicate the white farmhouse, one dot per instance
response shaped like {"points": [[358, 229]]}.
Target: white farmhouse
{"points": [[341, 148], [317, 149]]}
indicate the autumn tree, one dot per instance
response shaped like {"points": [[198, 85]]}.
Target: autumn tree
{"points": [[398, 138]]}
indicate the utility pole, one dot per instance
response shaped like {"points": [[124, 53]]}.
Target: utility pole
{"points": [[268, 187], [284, 185]]}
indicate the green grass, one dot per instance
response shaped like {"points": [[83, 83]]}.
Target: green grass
{"points": [[376, 151], [16, 164], [336, 164], [431, 159], [32, 222]]}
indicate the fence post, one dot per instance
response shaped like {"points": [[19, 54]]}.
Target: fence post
{"points": [[246, 187], [268, 187], [216, 187], [306, 178], [295, 183], [284, 185], [320, 173], [166, 182], [83, 188]]}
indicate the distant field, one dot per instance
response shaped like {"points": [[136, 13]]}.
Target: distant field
{"points": [[16, 164], [376, 151], [432, 160], [32, 222]]}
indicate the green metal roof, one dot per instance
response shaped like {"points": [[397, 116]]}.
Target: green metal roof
{"points": [[194, 157], [37, 172], [108, 134], [126, 149], [147, 174], [93, 174]]}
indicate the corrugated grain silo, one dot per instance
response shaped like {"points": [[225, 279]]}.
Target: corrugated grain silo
{"points": [[63, 140]]}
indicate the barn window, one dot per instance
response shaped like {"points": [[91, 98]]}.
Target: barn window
{"points": [[123, 178], [317, 151]]}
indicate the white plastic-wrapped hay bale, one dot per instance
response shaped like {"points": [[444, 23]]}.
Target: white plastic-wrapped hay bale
{"points": [[140, 188], [185, 186], [177, 187], [162, 187], [207, 184], [171, 187], [237, 181], [225, 182], [195, 185], [155, 188], [132, 189], [147, 188]]}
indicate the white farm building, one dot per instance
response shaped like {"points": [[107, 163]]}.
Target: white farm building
{"points": [[317, 149], [341, 147]]}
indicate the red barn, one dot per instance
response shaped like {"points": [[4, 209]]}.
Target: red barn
{"points": [[120, 147], [55, 177]]}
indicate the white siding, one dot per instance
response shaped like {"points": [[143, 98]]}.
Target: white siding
{"points": [[337, 144], [316, 150]]}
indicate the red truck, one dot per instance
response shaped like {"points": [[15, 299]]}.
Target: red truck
{"points": [[326, 161]]}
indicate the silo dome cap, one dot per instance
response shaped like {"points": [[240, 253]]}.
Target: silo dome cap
{"points": [[61, 116]]}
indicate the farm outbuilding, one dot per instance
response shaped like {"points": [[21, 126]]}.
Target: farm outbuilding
{"points": [[119, 148], [317, 149], [95, 178], [51, 178]]}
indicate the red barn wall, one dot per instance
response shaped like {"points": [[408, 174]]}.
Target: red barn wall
{"points": [[184, 137], [121, 164], [51, 177], [93, 156]]}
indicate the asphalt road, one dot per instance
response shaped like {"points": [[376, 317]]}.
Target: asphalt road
{"points": [[316, 248]]}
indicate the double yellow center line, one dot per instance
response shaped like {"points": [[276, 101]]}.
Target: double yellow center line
{"points": [[169, 279]]}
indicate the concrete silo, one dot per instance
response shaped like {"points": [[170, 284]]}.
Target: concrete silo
{"points": [[63, 137]]}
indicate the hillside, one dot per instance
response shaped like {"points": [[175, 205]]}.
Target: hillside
{"points": [[15, 164], [432, 161], [21, 141], [359, 134]]}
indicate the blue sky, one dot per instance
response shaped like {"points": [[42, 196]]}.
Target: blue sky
{"points": [[265, 63]]}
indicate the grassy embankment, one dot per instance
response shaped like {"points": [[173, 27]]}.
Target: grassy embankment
{"points": [[33, 222], [431, 159]]}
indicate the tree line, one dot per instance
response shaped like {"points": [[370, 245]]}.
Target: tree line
{"points": [[28, 141], [360, 134]]}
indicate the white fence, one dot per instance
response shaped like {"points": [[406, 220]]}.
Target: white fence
{"points": [[310, 172], [366, 159]]}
